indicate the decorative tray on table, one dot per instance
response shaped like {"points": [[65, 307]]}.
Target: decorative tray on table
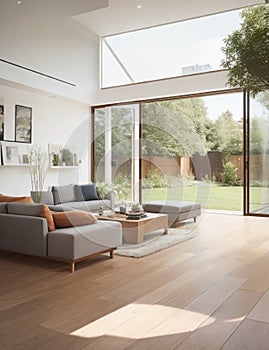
{"points": [[135, 215]]}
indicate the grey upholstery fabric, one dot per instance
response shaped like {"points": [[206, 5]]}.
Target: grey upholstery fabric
{"points": [[176, 210], [63, 194], [23, 234], [78, 193], [3, 207], [24, 209], [85, 205], [77, 242], [171, 206]]}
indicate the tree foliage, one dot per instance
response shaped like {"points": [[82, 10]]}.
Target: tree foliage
{"points": [[225, 135], [247, 51], [174, 128]]}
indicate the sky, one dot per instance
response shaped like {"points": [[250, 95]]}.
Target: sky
{"points": [[162, 51], [218, 104]]}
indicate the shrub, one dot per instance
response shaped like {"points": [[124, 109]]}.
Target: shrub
{"points": [[155, 178], [229, 175]]}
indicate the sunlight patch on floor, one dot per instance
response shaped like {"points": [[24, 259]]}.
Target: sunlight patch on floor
{"points": [[136, 321]]}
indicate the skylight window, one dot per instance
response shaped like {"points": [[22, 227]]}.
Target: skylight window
{"points": [[182, 48]]}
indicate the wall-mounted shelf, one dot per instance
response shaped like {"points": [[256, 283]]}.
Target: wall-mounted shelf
{"points": [[15, 165], [64, 167]]}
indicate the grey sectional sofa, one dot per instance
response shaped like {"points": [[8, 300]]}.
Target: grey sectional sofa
{"points": [[80, 197], [24, 231]]}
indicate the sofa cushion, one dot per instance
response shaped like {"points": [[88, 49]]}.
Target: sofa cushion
{"points": [[24, 199], [73, 218], [89, 192], [63, 194], [40, 210], [3, 207], [78, 193], [89, 206]]}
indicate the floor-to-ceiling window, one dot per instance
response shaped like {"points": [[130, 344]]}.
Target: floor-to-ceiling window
{"points": [[192, 149], [116, 149], [187, 148]]}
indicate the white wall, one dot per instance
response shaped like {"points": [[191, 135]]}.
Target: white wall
{"points": [[54, 120], [183, 85], [61, 48], [56, 47]]}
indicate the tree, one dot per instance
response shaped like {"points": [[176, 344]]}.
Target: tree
{"points": [[247, 51], [263, 98], [170, 128], [229, 135]]}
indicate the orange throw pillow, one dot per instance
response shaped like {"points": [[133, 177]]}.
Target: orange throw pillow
{"points": [[73, 218], [24, 199], [47, 214]]}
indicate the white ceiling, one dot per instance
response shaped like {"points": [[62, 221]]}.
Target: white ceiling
{"points": [[49, 8], [124, 15], [106, 17]]}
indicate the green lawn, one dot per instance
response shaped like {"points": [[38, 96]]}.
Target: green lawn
{"points": [[211, 196]]}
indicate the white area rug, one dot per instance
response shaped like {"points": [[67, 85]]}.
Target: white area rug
{"points": [[155, 242]]}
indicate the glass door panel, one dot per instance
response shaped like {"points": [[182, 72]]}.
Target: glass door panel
{"points": [[258, 157], [116, 150]]}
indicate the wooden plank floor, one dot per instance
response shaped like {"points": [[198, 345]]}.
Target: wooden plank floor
{"points": [[211, 292]]}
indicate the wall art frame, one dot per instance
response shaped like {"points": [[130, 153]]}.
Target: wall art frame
{"points": [[2, 122], [14, 153], [23, 124]]}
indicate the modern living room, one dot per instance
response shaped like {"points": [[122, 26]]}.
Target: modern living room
{"points": [[210, 292]]}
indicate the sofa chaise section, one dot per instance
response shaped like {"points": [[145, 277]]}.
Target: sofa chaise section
{"points": [[24, 231], [75, 244]]}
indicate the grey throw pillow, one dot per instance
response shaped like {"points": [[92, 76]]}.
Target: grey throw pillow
{"points": [[63, 194], [89, 192]]}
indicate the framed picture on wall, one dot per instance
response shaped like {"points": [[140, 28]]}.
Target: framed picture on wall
{"points": [[23, 124], [1, 122], [15, 153]]}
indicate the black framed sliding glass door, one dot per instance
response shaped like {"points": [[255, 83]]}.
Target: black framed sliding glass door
{"points": [[257, 155]]}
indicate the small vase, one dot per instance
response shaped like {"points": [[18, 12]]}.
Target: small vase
{"points": [[123, 209], [36, 196]]}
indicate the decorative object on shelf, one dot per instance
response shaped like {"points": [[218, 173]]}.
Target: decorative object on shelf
{"points": [[1, 122], [14, 153], [62, 156], [23, 124], [38, 170]]}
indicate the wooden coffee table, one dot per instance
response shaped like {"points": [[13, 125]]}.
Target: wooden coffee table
{"points": [[134, 230]]}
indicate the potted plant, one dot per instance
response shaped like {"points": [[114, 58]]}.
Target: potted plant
{"points": [[67, 157], [38, 161], [136, 207]]}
